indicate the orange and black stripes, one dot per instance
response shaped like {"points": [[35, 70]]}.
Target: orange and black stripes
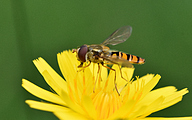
{"points": [[131, 58]]}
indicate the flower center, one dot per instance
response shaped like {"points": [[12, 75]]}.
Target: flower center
{"points": [[106, 103]]}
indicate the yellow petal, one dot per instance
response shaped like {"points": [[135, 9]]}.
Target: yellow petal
{"points": [[135, 114], [85, 81], [100, 76], [176, 94], [94, 69], [60, 111], [123, 110], [46, 106], [153, 106], [166, 118], [77, 80], [127, 73], [150, 85], [173, 99], [74, 106], [147, 78], [155, 94], [111, 80], [52, 78], [68, 64], [70, 116], [41, 93], [89, 107]]}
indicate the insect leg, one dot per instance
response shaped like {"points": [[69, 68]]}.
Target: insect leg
{"points": [[114, 78], [83, 67], [119, 69], [122, 74], [96, 77]]}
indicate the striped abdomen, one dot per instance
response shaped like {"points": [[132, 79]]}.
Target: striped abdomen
{"points": [[131, 58]]}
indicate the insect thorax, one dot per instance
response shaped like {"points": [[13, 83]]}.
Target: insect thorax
{"points": [[95, 53]]}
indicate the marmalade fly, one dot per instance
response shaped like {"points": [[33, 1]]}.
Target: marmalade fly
{"points": [[101, 54]]}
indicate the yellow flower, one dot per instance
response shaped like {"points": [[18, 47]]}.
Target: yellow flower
{"points": [[78, 97]]}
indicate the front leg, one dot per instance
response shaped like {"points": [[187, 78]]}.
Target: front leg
{"points": [[81, 65], [87, 58]]}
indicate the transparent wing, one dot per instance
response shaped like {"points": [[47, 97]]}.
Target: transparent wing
{"points": [[119, 60], [119, 36]]}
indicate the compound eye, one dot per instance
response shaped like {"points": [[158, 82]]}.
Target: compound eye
{"points": [[82, 52]]}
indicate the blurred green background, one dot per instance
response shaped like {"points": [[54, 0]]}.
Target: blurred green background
{"points": [[162, 34]]}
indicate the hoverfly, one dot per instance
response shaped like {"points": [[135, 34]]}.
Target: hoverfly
{"points": [[101, 54]]}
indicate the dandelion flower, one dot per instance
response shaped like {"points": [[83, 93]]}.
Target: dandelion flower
{"points": [[78, 97]]}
